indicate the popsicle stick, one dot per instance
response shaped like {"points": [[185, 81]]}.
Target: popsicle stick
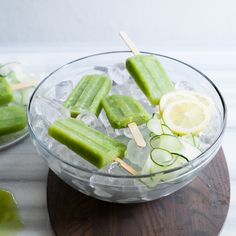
{"points": [[129, 43], [138, 137], [127, 167], [132, 126], [28, 84]]}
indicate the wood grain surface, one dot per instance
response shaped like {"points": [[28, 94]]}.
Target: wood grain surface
{"points": [[198, 209]]}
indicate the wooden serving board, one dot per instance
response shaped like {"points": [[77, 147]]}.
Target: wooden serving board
{"points": [[198, 209]]}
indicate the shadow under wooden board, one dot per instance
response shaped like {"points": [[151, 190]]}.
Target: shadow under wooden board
{"points": [[198, 209]]}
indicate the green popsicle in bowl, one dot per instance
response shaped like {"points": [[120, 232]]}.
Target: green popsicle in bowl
{"points": [[124, 111], [88, 94], [91, 144], [150, 76], [148, 73]]}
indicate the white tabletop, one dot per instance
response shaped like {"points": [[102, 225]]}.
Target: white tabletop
{"points": [[23, 172]]}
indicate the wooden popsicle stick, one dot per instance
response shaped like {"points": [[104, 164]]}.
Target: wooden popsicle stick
{"points": [[129, 43], [138, 137], [126, 166], [28, 84], [133, 126]]}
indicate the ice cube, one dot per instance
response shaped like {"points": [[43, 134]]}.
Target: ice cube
{"points": [[206, 138], [183, 85], [101, 69], [110, 132], [39, 126], [91, 120], [63, 90], [205, 141], [120, 66], [106, 124], [118, 74], [208, 135], [103, 118], [49, 93], [148, 107], [115, 187], [118, 89], [137, 155], [60, 150], [123, 139], [135, 91], [100, 181], [125, 132], [50, 110], [67, 155], [129, 89]]}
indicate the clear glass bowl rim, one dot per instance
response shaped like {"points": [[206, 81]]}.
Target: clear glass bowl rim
{"points": [[95, 172]]}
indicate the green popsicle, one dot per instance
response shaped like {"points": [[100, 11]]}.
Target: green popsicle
{"points": [[5, 92], [150, 76], [10, 222], [12, 119], [91, 144], [88, 94], [122, 110]]}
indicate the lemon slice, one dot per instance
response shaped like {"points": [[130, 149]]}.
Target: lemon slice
{"points": [[174, 96], [186, 116], [171, 97]]}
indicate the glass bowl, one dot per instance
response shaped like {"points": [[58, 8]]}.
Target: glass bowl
{"points": [[123, 188]]}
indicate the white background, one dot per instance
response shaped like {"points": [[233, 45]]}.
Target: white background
{"points": [[189, 23], [43, 34]]}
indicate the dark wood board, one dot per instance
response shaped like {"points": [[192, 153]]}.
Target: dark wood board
{"points": [[198, 209]]}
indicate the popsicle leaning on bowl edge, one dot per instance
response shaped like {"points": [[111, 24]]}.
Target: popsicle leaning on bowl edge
{"points": [[148, 73], [6, 90], [91, 144], [88, 94], [124, 111], [12, 119]]}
